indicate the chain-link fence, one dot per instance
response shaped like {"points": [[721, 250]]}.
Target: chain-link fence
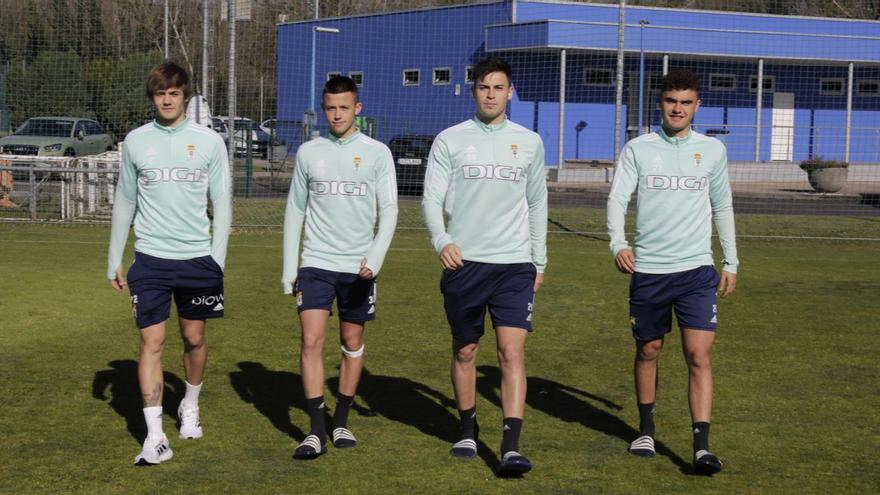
{"points": [[791, 87]]}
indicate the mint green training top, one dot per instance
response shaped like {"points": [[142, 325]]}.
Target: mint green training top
{"points": [[491, 183], [682, 186], [166, 176], [335, 189]]}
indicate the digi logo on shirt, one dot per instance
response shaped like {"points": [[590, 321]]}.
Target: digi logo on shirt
{"points": [[342, 188], [675, 183], [500, 172], [179, 174]]}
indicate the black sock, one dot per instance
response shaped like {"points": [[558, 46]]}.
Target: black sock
{"points": [[510, 438], [701, 436], [316, 410], [340, 415], [646, 419], [468, 424]]}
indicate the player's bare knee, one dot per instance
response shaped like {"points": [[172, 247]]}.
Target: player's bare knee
{"points": [[466, 354], [352, 342], [649, 351], [152, 344], [511, 355], [698, 359], [193, 342]]}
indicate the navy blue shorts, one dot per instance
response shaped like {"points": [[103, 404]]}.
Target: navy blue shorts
{"points": [[355, 297], [197, 286], [508, 290], [653, 296]]}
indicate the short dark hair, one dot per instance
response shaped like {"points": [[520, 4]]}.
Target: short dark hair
{"points": [[168, 75], [340, 84], [489, 65], [679, 80]]}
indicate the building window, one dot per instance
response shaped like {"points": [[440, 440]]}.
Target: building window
{"points": [[357, 77], [868, 88], [468, 75], [598, 77], [769, 83], [722, 82], [411, 77], [442, 75], [331, 75], [831, 87]]}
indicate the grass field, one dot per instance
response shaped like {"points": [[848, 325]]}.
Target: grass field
{"points": [[797, 377]]}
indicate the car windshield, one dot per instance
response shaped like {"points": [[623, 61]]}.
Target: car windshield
{"points": [[412, 143], [45, 127]]}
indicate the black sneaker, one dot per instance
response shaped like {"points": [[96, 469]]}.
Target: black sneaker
{"points": [[514, 464], [706, 463], [310, 448]]}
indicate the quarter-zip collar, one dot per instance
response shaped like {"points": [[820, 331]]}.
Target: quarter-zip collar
{"points": [[346, 140], [172, 130], [490, 127], [673, 140]]}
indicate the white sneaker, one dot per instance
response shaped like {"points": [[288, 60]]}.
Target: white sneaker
{"points": [[190, 424], [154, 451]]}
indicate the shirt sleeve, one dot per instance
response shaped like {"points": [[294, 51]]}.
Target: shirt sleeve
{"points": [[437, 178], [220, 192], [536, 196], [386, 197], [294, 216], [626, 179], [722, 213], [124, 208]]}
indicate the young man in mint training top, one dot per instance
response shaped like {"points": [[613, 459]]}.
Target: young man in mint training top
{"points": [[170, 168], [338, 184], [487, 174], [682, 183]]}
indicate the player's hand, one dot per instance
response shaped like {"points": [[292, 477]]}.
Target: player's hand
{"points": [[727, 284], [450, 257], [293, 284], [365, 272], [625, 261], [118, 284], [539, 281]]}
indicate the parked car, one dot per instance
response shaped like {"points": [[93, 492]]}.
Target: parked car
{"points": [[259, 138], [410, 152], [57, 136]]}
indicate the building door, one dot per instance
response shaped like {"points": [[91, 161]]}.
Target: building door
{"points": [[650, 105], [782, 130]]}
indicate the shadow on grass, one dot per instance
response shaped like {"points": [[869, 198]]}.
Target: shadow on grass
{"points": [[568, 404], [272, 393], [125, 394], [414, 404]]}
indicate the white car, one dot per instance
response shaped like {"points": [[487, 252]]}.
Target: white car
{"points": [[259, 138]]}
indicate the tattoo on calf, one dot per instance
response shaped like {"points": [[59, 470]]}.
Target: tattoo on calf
{"points": [[154, 398]]}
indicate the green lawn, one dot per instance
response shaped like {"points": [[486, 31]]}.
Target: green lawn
{"points": [[796, 377]]}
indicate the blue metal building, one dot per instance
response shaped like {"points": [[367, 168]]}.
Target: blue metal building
{"points": [[819, 78]]}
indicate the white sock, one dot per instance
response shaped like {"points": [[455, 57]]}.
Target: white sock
{"points": [[191, 398], [153, 416]]}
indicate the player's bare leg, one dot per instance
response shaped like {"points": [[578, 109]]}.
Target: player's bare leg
{"points": [[464, 383], [314, 329], [155, 448], [195, 358], [351, 336], [646, 378], [511, 358], [697, 347]]}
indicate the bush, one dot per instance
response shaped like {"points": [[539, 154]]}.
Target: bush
{"points": [[820, 163]]}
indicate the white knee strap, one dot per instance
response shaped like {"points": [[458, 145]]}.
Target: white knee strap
{"points": [[353, 354]]}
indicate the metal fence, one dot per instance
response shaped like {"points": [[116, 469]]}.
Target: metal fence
{"points": [[777, 90]]}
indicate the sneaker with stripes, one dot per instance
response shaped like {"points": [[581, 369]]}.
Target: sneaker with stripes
{"points": [[154, 451], [706, 462], [343, 438], [310, 448], [643, 446], [466, 448], [514, 464]]}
